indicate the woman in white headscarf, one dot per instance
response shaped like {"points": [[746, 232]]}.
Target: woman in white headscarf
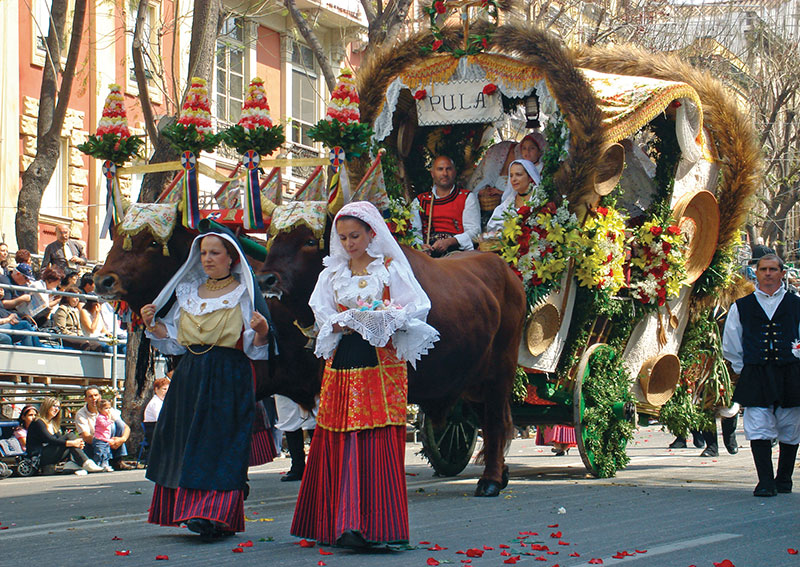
{"points": [[491, 174], [201, 442], [370, 313], [524, 179]]}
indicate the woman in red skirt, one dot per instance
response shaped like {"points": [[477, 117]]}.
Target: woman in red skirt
{"points": [[370, 311]]}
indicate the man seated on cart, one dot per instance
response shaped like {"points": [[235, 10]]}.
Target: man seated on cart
{"points": [[445, 218]]}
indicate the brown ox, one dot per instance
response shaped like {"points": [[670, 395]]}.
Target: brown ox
{"points": [[137, 276], [478, 307]]}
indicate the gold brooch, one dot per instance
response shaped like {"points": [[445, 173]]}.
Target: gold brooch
{"points": [[362, 284]]}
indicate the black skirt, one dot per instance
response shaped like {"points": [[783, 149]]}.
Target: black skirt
{"points": [[768, 385], [202, 437], [353, 351]]}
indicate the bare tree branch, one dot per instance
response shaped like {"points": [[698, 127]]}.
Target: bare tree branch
{"points": [[313, 42]]}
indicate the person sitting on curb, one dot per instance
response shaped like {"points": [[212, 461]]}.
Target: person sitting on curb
{"points": [[84, 421]]}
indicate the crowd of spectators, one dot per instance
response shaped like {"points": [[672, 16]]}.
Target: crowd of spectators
{"points": [[81, 320]]}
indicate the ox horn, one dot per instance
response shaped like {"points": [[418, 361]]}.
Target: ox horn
{"points": [[609, 170]]}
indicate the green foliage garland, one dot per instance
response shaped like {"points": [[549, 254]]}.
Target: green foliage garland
{"points": [[186, 138], [353, 138], [606, 434], [112, 147], [262, 140]]}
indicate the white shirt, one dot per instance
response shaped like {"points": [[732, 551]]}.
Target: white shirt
{"points": [[732, 348], [470, 218], [153, 409], [84, 420]]}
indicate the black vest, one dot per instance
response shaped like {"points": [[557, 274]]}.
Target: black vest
{"points": [[766, 341]]}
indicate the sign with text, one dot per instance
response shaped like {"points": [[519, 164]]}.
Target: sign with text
{"points": [[459, 102]]}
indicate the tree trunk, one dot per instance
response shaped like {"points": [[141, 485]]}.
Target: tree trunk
{"points": [[313, 42], [135, 395], [53, 104]]}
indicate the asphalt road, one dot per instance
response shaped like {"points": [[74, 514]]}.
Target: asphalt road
{"points": [[667, 509]]}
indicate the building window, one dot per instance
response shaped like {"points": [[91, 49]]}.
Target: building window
{"points": [[305, 94], [149, 37], [230, 71], [54, 199], [40, 22]]}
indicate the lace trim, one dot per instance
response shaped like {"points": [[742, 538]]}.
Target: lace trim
{"points": [[191, 302]]}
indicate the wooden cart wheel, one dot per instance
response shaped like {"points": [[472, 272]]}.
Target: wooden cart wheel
{"points": [[449, 448], [578, 406]]}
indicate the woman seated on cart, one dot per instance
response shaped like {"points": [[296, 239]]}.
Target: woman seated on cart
{"points": [[524, 179], [490, 178]]}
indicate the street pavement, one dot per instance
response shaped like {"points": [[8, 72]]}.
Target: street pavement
{"points": [[669, 508]]}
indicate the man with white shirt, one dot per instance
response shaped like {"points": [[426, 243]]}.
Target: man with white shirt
{"points": [[445, 218], [63, 251], [120, 432], [761, 332]]}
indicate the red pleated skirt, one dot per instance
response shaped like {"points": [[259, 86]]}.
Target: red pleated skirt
{"points": [[173, 506], [354, 480], [549, 434], [262, 448]]}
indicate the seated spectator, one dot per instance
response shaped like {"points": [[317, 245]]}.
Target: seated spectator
{"points": [[103, 424], [26, 417], [15, 299], [70, 279], [85, 420], [92, 324], [86, 284], [22, 256], [37, 307], [3, 259], [45, 439], [153, 408], [9, 320], [68, 322], [51, 278]]}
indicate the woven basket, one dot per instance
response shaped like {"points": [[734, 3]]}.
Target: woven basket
{"points": [[489, 202], [490, 245]]}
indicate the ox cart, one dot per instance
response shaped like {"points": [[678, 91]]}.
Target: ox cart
{"points": [[652, 159]]}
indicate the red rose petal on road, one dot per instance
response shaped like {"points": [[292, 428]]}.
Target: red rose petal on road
{"points": [[323, 552], [115, 538], [539, 547], [576, 554], [512, 560], [595, 561], [645, 551], [321, 563], [540, 558], [553, 526], [460, 552], [474, 553], [247, 543], [162, 557], [505, 553], [555, 535], [123, 552], [466, 561], [563, 542], [237, 550], [488, 548], [791, 551], [432, 562], [424, 543], [306, 543], [552, 553], [724, 563]]}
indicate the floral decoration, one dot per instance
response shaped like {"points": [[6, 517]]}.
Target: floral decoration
{"points": [[193, 131], [341, 126], [475, 43], [538, 240], [420, 94], [399, 221], [255, 130], [601, 267], [489, 89], [658, 264], [113, 141]]}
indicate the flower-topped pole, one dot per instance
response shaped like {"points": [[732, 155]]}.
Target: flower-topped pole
{"points": [[190, 135], [113, 143], [254, 136], [341, 126]]}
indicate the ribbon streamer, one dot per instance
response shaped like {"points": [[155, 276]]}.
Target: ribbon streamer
{"points": [[191, 209], [115, 207], [252, 216]]}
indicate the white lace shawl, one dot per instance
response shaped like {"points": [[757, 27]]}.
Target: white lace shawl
{"points": [[411, 336], [189, 301], [487, 173]]}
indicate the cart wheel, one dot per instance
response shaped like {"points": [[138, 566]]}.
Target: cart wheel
{"points": [[25, 468], [586, 436], [449, 448]]}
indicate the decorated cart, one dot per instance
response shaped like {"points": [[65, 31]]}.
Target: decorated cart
{"points": [[627, 244]]}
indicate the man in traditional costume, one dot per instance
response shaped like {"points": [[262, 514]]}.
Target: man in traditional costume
{"points": [[445, 218], [760, 341]]}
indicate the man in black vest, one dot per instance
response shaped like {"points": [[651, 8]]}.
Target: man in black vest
{"points": [[761, 333]]}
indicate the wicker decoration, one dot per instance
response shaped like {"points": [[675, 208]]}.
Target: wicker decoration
{"points": [[659, 377]]}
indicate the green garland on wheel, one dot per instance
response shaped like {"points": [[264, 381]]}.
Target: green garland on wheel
{"points": [[606, 435]]}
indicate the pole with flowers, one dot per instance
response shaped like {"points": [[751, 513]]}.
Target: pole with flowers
{"points": [[191, 135], [254, 136], [112, 143]]}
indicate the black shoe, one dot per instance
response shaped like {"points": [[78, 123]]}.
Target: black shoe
{"points": [[677, 444], [352, 539], [786, 462], [697, 439], [292, 476], [783, 487], [710, 452], [732, 449], [201, 526], [560, 453], [765, 491]]}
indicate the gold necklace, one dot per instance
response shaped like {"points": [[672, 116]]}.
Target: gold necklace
{"points": [[215, 284], [362, 272]]}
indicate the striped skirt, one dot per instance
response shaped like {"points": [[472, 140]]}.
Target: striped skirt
{"points": [[354, 480], [173, 506], [262, 444], [549, 434]]}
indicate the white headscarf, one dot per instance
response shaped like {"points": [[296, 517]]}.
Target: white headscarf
{"points": [[530, 167], [382, 244]]}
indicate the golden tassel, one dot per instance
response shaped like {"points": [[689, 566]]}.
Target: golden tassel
{"points": [[661, 334], [126, 242], [165, 249]]}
